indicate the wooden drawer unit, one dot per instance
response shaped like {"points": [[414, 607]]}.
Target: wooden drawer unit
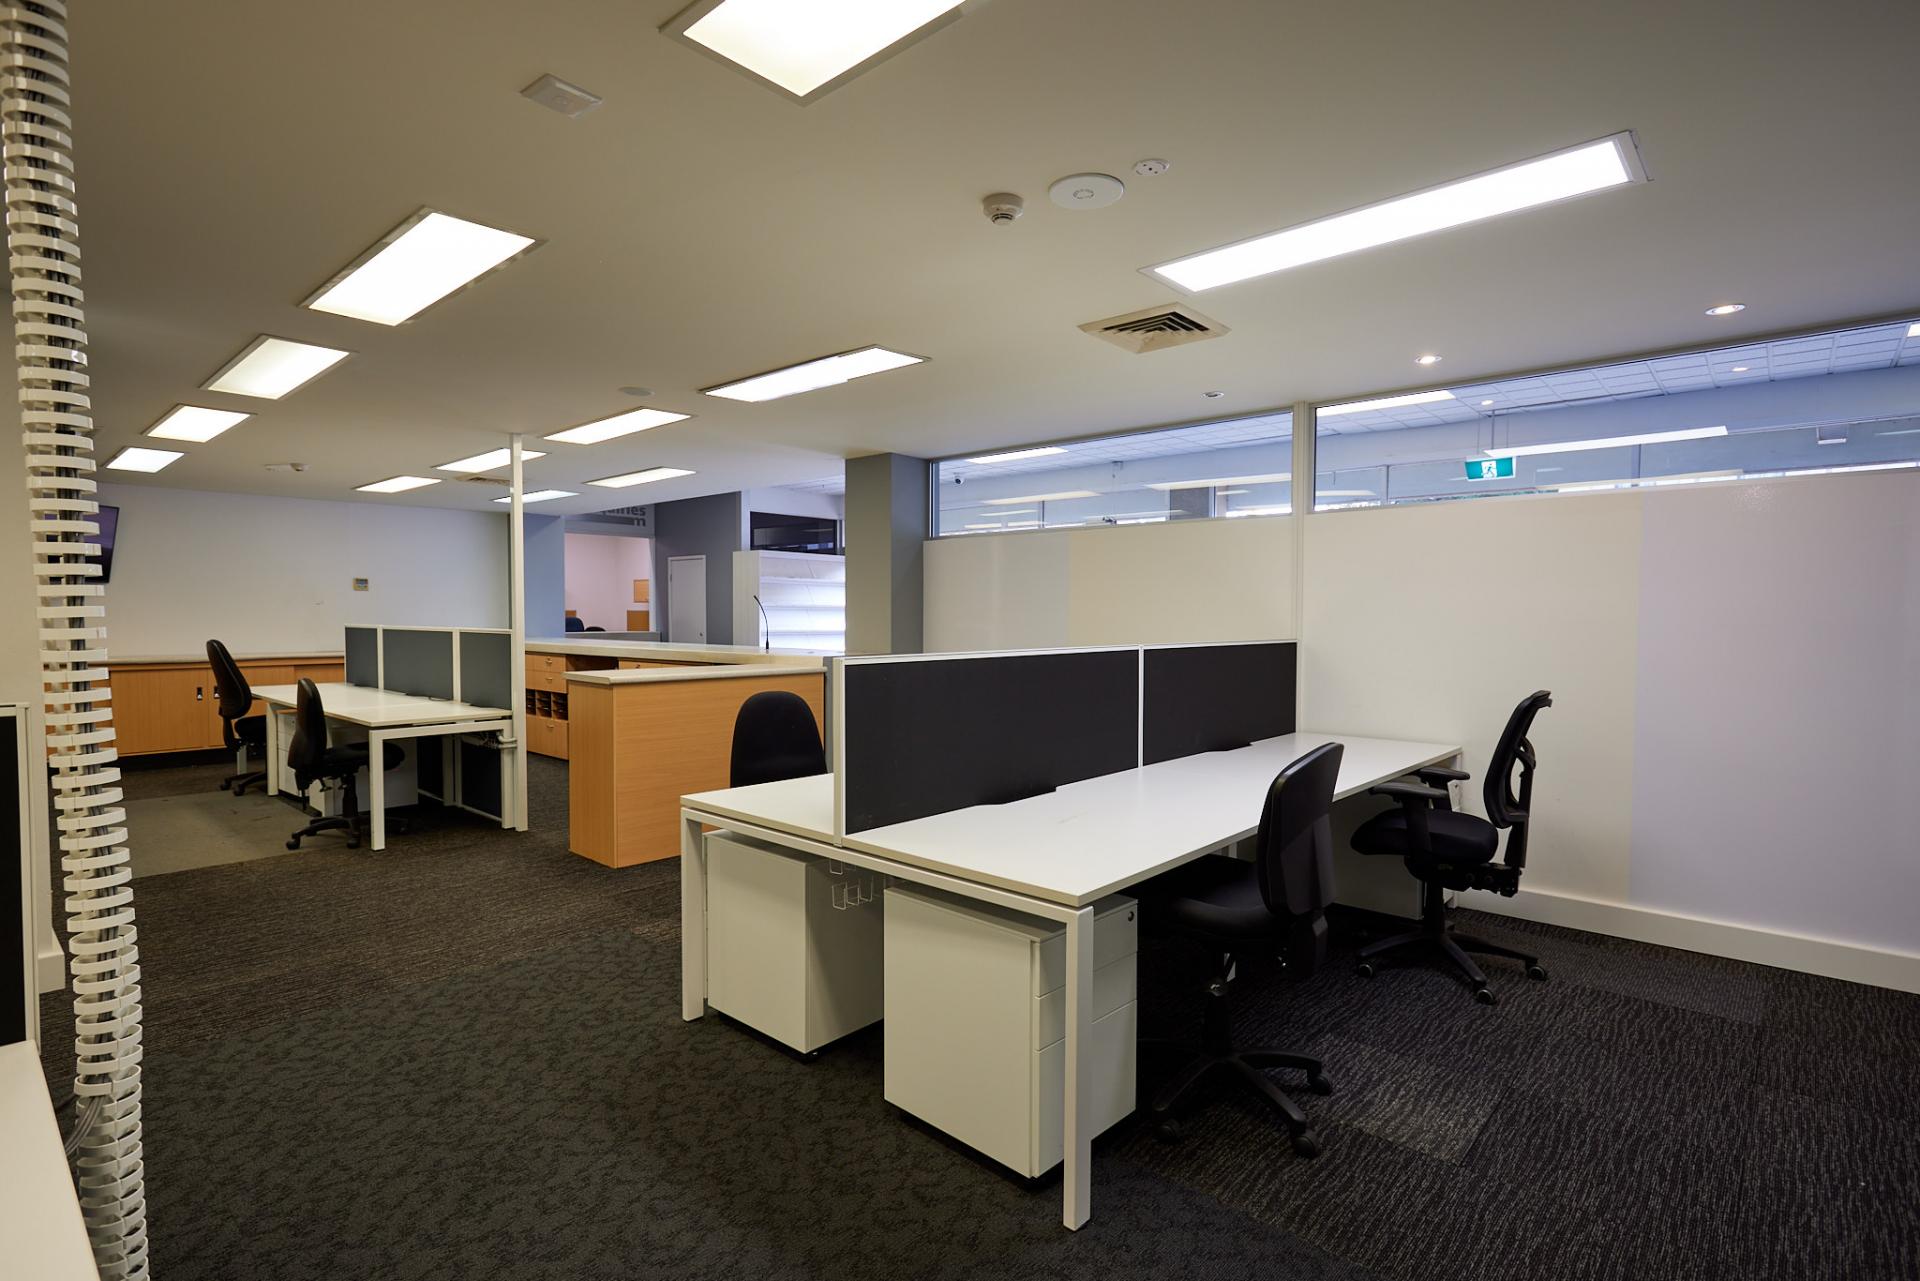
{"points": [[554, 663], [172, 707], [551, 682]]}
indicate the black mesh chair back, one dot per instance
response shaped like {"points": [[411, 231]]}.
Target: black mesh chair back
{"points": [[1509, 804], [775, 737], [1293, 850], [306, 754], [229, 686]]}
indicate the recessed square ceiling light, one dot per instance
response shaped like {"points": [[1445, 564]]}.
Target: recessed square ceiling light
{"points": [[419, 262], [1913, 330], [488, 461], [1608, 442], [1384, 402], [1012, 455], [1577, 171], [134, 458], [397, 484], [643, 477], [1271, 478], [812, 375], [619, 425], [539, 496], [1041, 498], [807, 48], [271, 367], [191, 422]]}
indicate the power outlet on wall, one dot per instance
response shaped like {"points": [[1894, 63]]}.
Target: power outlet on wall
{"points": [[359, 584]]}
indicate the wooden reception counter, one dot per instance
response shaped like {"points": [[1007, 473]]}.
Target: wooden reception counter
{"points": [[639, 738]]}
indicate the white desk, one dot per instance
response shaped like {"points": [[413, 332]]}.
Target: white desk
{"points": [[386, 715], [43, 1233], [1050, 856]]}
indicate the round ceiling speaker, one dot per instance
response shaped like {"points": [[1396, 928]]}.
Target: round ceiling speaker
{"points": [[1086, 191]]}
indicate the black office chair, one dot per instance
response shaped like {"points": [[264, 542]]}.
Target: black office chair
{"points": [[245, 735], [575, 624], [1231, 906], [1447, 850], [775, 737], [312, 761], [596, 629]]}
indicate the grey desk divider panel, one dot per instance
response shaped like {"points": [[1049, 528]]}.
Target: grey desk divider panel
{"points": [[418, 662], [927, 736], [1203, 698], [363, 656], [486, 669]]}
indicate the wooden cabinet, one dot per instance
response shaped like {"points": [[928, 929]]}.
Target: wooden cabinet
{"points": [[172, 707]]}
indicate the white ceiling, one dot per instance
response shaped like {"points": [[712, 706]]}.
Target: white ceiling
{"points": [[698, 227]]}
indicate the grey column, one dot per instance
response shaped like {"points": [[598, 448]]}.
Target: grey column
{"points": [[887, 498]]}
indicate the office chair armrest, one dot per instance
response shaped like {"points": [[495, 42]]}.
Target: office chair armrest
{"points": [[1437, 775], [1408, 793], [1417, 800]]}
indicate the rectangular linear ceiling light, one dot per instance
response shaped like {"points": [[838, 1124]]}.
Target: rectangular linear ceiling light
{"points": [[1220, 482], [812, 375], [808, 47], [134, 458], [1013, 455], [397, 484], [645, 476], [619, 425], [1040, 498], [1607, 442], [488, 461], [1577, 171], [418, 264], [271, 367], [1913, 330], [191, 422], [539, 496], [1385, 402]]}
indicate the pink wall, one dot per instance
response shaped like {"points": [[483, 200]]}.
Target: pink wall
{"points": [[600, 573]]}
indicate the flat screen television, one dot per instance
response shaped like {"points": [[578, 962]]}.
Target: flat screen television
{"points": [[109, 521]]}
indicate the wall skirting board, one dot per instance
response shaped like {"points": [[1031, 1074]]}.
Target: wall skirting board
{"points": [[1850, 961]]}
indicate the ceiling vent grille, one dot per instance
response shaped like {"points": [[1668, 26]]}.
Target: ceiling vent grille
{"points": [[498, 482], [1154, 328]]}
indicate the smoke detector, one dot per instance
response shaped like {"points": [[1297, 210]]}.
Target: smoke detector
{"points": [[1002, 207], [1086, 191], [555, 94]]}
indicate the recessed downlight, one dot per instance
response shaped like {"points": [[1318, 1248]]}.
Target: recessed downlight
{"points": [[645, 476], [419, 262], [1428, 359], [136, 458], [1726, 308], [1738, 369], [812, 375], [271, 367], [195, 423], [397, 484], [618, 425], [488, 461]]}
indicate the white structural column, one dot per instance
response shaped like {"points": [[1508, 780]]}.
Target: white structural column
{"points": [[517, 621]]}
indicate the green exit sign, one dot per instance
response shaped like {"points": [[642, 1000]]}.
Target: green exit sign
{"points": [[1489, 468]]}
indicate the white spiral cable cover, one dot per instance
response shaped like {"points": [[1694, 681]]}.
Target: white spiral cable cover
{"points": [[50, 347]]}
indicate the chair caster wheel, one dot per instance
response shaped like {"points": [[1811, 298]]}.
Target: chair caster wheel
{"points": [[1305, 1144], [1319, 1083], [1168, 1131], [1537, 972], [293, 842], [223, 787], [1484, 995], [1365, 969]]}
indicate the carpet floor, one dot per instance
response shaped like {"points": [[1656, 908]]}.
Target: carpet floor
{"points": [[462, 1057]]}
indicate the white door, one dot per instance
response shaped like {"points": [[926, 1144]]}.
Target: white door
{"points": [[687, 600]]}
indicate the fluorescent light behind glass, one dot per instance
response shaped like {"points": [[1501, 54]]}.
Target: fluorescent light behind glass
{"points": [[1607, 442], [1014, 455], [1384, 402]]}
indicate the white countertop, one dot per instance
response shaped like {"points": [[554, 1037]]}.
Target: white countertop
{"points": [[381, 708], [710, 672], [665, 652], [114, 660], [45, 1237], [797, 806]]}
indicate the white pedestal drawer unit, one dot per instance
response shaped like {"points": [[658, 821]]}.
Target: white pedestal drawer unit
{"points": [[793, 942], [976, 1022]]}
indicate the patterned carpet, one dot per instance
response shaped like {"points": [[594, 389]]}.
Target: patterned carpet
{"points": [[463, 1058]]}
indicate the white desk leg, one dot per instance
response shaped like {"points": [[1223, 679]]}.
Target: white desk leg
{"points": [[1076, 1181], [693, 920], [377, 788], [276, 759]]}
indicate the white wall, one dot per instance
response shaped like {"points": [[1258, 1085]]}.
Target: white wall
{"points": [[1205, 580], [275, 575], [600, 573]]}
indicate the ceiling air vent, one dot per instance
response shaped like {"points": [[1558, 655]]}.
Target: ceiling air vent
{"points": [[1154, 329], [498, 482]]}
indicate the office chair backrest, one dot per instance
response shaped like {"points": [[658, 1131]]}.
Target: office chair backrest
{"points": [[1508, 805], [1294, 850], [229, 683], [575, 624], [775, 737], [309, 743]]}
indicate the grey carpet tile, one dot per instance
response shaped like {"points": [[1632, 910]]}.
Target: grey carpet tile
{"points": [[1433, 1108], [1876, 1019], [145, 780], [1828, 1191], [1827, 1066]]}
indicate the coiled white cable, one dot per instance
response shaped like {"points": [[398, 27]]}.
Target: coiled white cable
{"points": [[50, 347]]}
